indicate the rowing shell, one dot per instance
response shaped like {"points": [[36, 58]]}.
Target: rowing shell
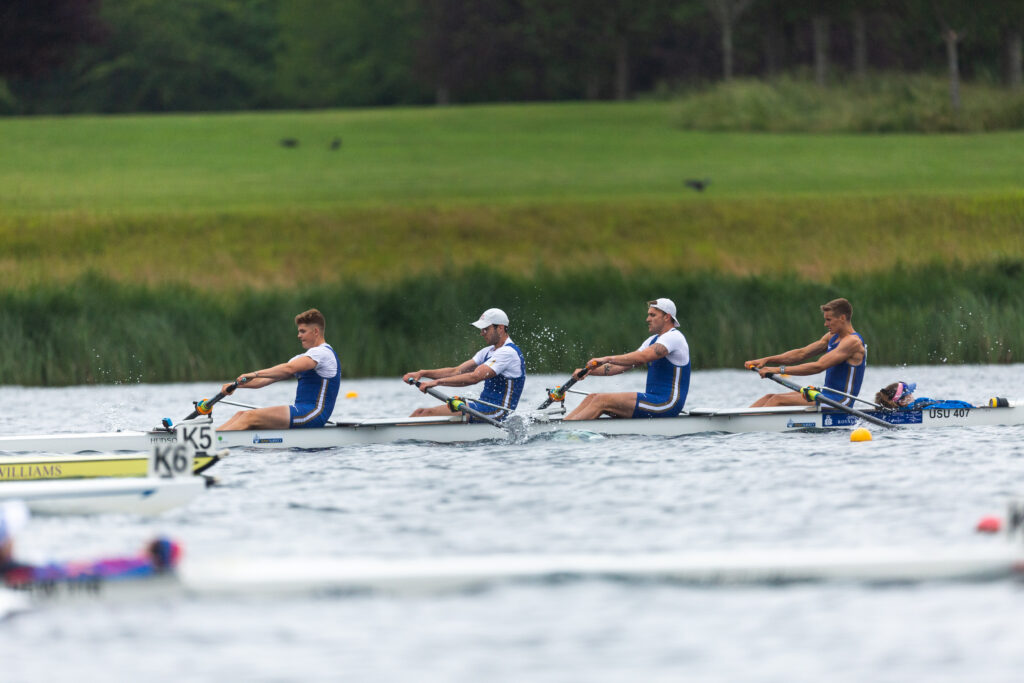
{"points": [[317, 575], [137, 495], [54, 467], [869, 565], [455, 430]]}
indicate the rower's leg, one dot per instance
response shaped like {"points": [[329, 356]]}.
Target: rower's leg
{"points": [[789, 398], [275, 417], [593, 406], [434, 411]]}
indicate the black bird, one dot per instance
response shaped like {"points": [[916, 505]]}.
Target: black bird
{"points": [[336, 144], [289, 142], [698, 185]]}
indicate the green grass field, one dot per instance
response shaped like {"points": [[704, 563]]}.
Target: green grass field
{"points": [[164, 248], [214, 199], [443, 156]]}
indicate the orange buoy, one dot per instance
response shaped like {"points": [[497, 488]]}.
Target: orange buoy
{"points": [[989, 525]]}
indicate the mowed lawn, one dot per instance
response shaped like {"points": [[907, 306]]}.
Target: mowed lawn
{"points": [[217, 200], [512, 153]]}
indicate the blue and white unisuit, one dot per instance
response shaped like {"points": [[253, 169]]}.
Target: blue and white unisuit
{"points": [[318, 388], [845, 377], [506, 386], [668, 378]]}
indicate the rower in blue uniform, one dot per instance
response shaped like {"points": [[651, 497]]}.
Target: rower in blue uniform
{"points": [[844, 358], [318, 371], [667, 357], [500, 366]]}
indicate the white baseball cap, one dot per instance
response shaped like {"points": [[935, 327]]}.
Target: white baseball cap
{"points": [[665, 306], [492, 316], [13, 516]]}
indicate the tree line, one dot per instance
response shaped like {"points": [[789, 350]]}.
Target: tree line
{"points": [[60, 56]]}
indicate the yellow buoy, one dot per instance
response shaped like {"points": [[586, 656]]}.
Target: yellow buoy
{"points": [[351, 394], [860, 434]]}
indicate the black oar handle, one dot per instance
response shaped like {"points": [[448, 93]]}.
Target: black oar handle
{"points": [[558, 393], [816, 395], [457, 404]]}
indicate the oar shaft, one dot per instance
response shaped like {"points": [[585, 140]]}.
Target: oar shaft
{"points": [[560, 391], [843, 393], [210, 403], [820, 398]]}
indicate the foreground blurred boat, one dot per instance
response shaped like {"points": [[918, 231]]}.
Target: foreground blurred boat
{"points": [[456, 429], [318, 575], [136, 495], [15, 468]]}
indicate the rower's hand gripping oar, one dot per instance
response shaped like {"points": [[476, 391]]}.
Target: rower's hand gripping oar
{"points": [[558, 393], [456, 404], [205, 406], [812, 394]]}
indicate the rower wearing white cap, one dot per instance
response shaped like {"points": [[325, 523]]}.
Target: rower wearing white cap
{"points": [[500, 366], [667, 357]]}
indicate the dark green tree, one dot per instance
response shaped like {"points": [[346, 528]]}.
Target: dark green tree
{"points": [[360, 52], [182, 55], [36, 36]]}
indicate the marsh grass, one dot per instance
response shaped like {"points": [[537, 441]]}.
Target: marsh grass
{"points": [[100, 331]]}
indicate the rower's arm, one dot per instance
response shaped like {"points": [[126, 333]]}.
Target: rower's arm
{"points": [[465, 379], [792, 356], [616, 365], [846, 349], [261, 378], [440, 373]]}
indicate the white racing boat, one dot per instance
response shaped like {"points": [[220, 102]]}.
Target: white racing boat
{"points": [[160, 569], [274, 576], [425, 575], [135, 495], [457, 429]]}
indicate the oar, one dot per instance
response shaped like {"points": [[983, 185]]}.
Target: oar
{"points": [[205, 406], [855, 398], [812, 394], [458, 405], [558, 393]]}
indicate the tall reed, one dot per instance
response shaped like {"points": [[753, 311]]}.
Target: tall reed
{"points": [[99, 331]]}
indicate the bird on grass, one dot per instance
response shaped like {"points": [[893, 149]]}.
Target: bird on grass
{"points": [[698, 185], [335, 144], [289, 142]]}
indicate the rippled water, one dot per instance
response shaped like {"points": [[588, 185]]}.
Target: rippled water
{"points": [[551, 495]]}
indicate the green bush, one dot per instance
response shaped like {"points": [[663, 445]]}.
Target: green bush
{"points": [[882, 103]]}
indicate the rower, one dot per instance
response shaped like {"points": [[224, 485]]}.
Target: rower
{"points": [[318, 371], [667, 357], [500, 366], [844, 360]]}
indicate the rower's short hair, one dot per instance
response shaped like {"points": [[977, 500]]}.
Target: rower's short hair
{"points": [[839, 307], [311, 317]]}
